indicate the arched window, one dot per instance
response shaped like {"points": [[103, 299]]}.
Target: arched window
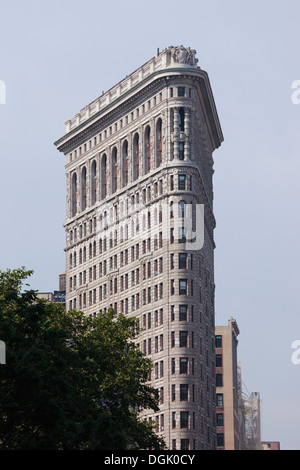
{"points": [[74, 195], [136, 158], [83, 189], [114, 170], [125, 164], [103, 177], [159, 142], [147, 153], [94, 183]]}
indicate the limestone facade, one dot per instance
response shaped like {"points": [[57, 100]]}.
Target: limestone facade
{"points": [[139, 228]]}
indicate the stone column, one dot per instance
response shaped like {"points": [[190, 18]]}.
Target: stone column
{"points": [[187, 133], [176, 133]]}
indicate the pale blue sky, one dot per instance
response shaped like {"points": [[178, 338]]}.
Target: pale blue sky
{"points": [[55, 57]]}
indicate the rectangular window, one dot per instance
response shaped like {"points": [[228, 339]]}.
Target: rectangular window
{"points": [[184, 419], [183, 312], [220, 439], [218, 360], [172, 339], [181, 91], [184, 444], [183, 339], [218, 341], [183, 365], [172, 265], [219, 399], [182, 286], [173, 365], [181, 150], [182, 182], [161, 368], [182, 262], [172, 312], [219, 380], [220, 419], [174, 422], [184, 392], [181, 235]]}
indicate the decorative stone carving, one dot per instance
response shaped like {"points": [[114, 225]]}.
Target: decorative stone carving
{"points": [[183, 55]]}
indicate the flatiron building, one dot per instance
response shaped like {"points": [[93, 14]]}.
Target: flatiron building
{"points": [[140, 228]]}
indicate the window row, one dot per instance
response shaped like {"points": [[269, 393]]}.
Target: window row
{"points": [[85, 254], [186, 392], [117, 126], [143, 218], [152, 319], [134, 225], [184, 365], [116, 170], [123, 209], [147, 346], [184, 314], [184, 287], [121, 284], [186, 420], [180, 91], [184, 444], [182, 339], [184, 183], [148, 268], [180, 419]]}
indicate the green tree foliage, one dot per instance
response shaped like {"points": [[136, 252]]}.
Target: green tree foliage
{"points": [[70, 381]]}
